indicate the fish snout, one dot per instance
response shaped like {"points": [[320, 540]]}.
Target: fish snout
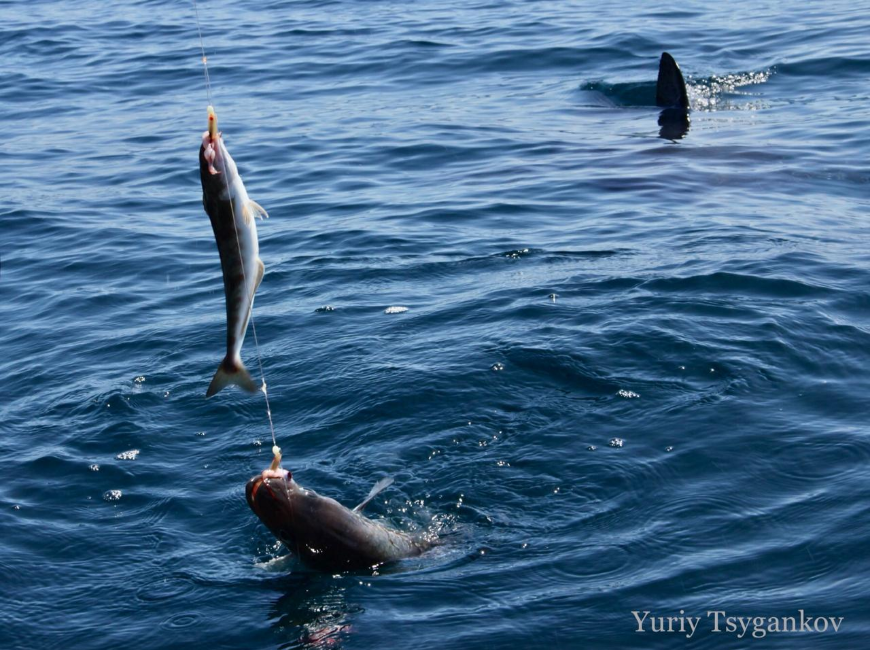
{"points": [[268, 495], [213, 150], [211, 153], [251, 490]]}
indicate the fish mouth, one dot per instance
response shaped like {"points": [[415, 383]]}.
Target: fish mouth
{"points": [[268, 495], [212, 145]]}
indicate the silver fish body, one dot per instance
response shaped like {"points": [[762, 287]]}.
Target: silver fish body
{"points": [[232, 214]]}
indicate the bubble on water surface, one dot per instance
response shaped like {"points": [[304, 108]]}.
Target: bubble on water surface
{"points": [[130, 454], [94, 467], [325, 308], [112, 495], [616, 442], [395, 310], [627, 394], [497, 367]]}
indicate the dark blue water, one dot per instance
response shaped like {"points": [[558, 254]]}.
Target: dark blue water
{"points": [[570, 277]]}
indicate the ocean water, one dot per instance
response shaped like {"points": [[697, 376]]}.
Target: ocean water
{"points": [[575, 275]]}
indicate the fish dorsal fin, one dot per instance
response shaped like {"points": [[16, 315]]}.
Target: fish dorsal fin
{"points": [[670, 87], [379, 487], [258, 209]]}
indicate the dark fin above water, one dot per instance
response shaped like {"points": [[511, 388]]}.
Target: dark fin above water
{"points": [[379, 487], [671, 88], [231, 372]]}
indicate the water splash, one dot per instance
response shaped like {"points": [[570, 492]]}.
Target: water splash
{"points": [[720, 93]]}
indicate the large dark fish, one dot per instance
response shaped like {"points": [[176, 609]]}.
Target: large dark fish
{"points": [[322, 532], [232, 218]]}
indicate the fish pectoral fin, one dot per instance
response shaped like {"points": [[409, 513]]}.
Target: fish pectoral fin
{"points": [[258, 209], [247, 214], [379, 487]]}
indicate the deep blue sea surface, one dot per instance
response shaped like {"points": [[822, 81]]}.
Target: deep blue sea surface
{"points": [[571, 278]]}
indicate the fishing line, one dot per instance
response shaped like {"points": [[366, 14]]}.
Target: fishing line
{"points": [[275, 449], [204, 60]]}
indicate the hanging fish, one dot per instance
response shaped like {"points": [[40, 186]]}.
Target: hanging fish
{"points": [[232, 218]]}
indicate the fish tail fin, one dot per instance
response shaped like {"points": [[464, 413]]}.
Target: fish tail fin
{"points": [[671, 87], [231, 372]]}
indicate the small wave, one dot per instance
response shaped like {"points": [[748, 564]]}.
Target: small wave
{"points": [[623, 94], [722, 282], [714, 93]]}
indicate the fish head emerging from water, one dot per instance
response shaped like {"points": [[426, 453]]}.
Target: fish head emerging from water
{"points": [[324, 534]]}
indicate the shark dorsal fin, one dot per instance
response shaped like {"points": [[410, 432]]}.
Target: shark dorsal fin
{"points": [[671, 87], [378, 487]]}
